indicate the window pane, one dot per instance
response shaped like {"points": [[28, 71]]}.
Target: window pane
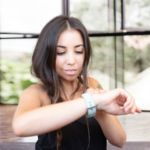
{"points": [[101, 62], [93, 14], [15, 68], [137, 68], [137, 13], [27, 15]]}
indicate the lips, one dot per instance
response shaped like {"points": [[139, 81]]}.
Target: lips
{"points": [[70, 71]]}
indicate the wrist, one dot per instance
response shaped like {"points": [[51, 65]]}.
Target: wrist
{"points": [[98, 100]]}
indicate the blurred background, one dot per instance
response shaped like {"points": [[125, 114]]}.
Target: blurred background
{"points": [[119, 32]]}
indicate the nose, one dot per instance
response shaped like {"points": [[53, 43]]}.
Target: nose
{"points": [[71, 58]]}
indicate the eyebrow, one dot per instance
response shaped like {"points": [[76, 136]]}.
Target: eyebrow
{"points": [[79, 45], [75, 46]]}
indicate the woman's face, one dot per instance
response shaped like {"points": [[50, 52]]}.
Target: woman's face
{"points": [[70, 55]]}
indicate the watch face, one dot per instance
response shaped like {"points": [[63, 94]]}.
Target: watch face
{"points": [[91, 108]]}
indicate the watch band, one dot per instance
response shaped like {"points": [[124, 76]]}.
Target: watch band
{"points": [[91, 108]]}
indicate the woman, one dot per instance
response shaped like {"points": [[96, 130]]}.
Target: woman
{"points": [[54, 108]]}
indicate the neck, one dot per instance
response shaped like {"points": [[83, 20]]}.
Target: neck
{"points": [[69, 87]]}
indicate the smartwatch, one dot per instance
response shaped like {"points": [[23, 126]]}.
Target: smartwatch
{"points": [[91, 108]]}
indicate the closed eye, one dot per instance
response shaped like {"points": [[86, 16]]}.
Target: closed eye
{"points": [[61, 53], [79, 52]]}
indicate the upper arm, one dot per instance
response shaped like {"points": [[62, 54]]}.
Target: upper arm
{"points": [[29, 100], [93, 83]]}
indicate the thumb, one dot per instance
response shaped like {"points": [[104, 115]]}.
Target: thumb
{"points": [[119, 111]]}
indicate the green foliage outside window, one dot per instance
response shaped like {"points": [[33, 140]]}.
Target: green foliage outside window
{"points": [[15, 78]]}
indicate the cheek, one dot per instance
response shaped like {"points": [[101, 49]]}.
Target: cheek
{"points": [[80, 60], [59, 61]]}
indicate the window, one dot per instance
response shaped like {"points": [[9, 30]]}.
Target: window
{"points": [[21, 22], [121, 54]]}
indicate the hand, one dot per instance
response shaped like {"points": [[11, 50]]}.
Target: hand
{"points": [[114, 99], [111, 101]]}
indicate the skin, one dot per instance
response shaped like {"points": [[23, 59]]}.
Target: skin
{"points": [[35, 106], [70, 58]]}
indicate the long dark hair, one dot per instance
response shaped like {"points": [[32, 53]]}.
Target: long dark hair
{"points": [[44, 58]]}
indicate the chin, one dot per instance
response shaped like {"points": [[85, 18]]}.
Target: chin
{"points": [[71, 78]]}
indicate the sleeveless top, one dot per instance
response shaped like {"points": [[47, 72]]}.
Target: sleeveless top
{"points": [[75, 137]]}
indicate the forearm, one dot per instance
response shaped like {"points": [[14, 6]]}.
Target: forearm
{"points": [[112, 129], [49, 118]]}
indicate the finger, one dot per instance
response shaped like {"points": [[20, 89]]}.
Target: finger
{"points": [[120, 103], [121, 100], [90, 90], [102, 91], [133, 109], [138, 110], [130, 106], [129, 98], [122, 112], [96, 91], [125, 112]]}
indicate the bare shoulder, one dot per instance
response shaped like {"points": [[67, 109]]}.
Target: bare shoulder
{"points": [[33, 97], [35, 92], [93, 83], [32, 91]]}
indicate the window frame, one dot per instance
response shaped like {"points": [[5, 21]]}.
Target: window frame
{"points": [[66, 11]]}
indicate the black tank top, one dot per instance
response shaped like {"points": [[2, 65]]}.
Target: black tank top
{"points": [[75, 137]]}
